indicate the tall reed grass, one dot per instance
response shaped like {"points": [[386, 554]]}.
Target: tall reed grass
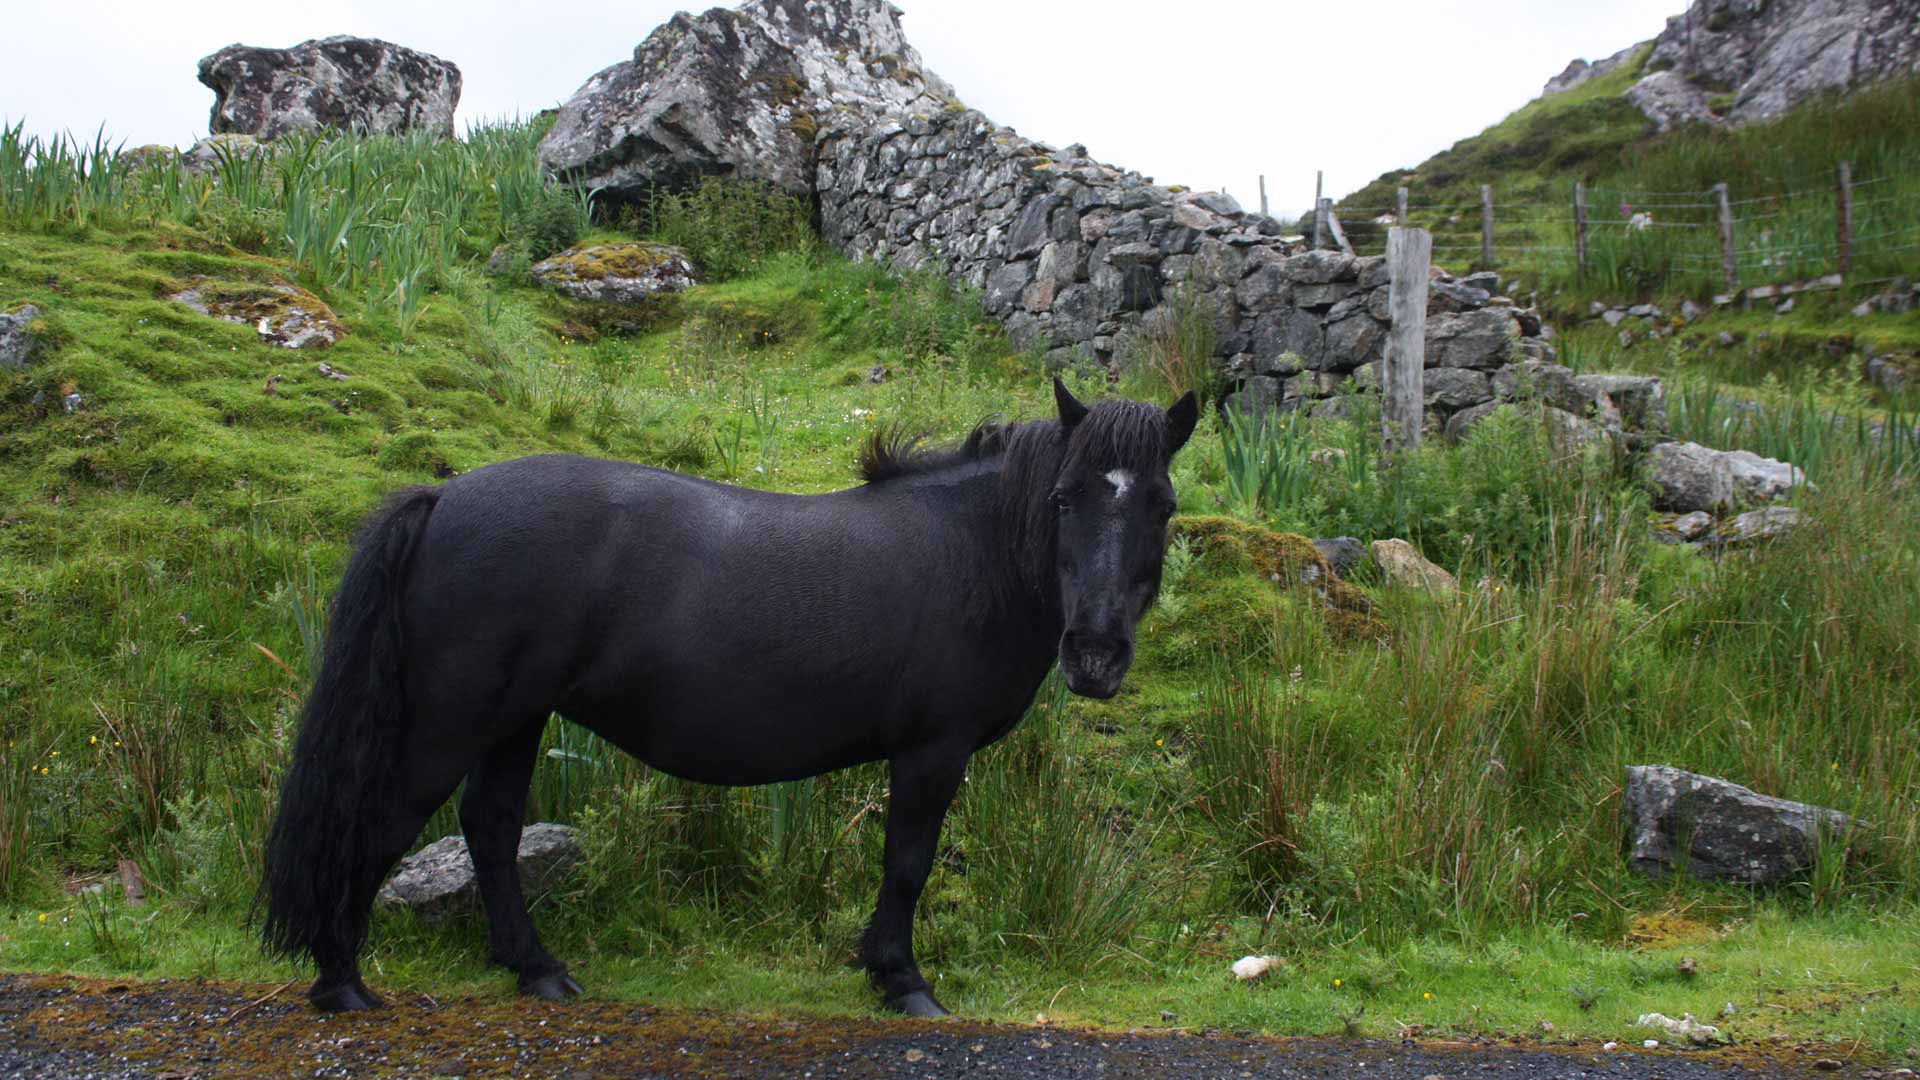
{"points": [[382, 218]]}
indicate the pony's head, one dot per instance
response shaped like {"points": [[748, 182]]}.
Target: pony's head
{"points": [[1112, 500]]}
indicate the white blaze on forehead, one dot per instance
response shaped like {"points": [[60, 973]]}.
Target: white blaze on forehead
{"points": [[1121, 480]]}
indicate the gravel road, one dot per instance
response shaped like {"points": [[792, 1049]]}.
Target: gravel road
{"points": [[190, 1030]]}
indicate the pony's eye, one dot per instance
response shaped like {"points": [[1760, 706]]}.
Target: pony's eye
{"points": [[1062, 502], [1166, 512]]}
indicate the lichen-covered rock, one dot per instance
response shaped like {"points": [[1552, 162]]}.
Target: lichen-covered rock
{"points": [[622, 273], [1766, 523], [1456, 388], [1771, 56], [282, 315], [331, 84], [20, 340], [1718, 830], [207, 154], [1639, 400], [1403, 566], [1684, 528], [439, 878], [1482, 339], [738, 93], [1286, 561], [1670, 101], [150, 156], [1687, 476]]}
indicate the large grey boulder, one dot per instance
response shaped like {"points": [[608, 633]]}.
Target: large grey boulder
{"points": [[19, 345], [1687, 476], [331, 84], [737, 93], [1719, 831], [439, 879]]}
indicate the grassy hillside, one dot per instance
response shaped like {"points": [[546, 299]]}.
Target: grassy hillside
{"points": [[1780, 175], [1412, 798]]}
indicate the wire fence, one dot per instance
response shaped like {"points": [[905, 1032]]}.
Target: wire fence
{"points": [[1725, 241]]}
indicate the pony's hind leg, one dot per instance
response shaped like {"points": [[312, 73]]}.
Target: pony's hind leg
{"points": [[923, 785], [492, 808], [394, 816]]}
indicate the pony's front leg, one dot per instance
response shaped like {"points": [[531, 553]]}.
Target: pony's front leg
{"points": [[924, 781]]}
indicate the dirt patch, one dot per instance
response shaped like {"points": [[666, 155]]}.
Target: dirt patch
{"points": [[188, 1030]]}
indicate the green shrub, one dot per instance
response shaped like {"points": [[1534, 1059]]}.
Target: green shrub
{"points": [[548, 224], [729, 227]]}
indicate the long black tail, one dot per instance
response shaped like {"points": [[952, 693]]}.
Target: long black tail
{"points": [[316, 889]]}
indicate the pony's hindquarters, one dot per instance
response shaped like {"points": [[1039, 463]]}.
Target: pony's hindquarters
{"points": [[329, 831]]}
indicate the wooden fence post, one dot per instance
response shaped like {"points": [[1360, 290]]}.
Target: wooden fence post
{"points": [[1400, 206], [1486, 225], [1263, 195], [1403, 361], [1844, 204], [1580, 227], [1319, 212], [1729, 264], [1333, 227]]}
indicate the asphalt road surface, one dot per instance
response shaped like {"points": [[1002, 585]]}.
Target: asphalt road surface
{"points": [[190, 1030]]}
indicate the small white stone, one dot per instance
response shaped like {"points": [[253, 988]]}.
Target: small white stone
{"points": [[1252, 967]]}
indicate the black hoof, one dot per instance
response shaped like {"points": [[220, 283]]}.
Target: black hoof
{"points": [[343, 997], [554, 986], [919, 1003]]}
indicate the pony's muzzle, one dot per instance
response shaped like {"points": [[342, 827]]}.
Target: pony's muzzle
{"points": [[1094, 663]]}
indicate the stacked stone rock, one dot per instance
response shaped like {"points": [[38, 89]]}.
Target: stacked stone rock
{"points": [[1076, 257], [826, 99]]}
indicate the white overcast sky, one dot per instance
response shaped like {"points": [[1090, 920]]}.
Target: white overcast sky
{"points": [[1208, 93]]}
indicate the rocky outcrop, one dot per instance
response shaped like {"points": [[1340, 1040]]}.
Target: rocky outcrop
{"points": [[439, 879], [330, 84], [283, 315], [1579, 71], [1772, 56], [1738, 61], [20, 343], [738, 94], [625, 273], [1719, 831]]}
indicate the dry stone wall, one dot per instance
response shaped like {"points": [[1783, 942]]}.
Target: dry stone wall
{"points": [[1079, 258]]}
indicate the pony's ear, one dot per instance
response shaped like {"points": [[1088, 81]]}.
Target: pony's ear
{"points": [[1071, 411], [1180, 420]]}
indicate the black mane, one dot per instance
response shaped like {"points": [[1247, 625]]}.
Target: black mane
{"points": [[1115, 433]]}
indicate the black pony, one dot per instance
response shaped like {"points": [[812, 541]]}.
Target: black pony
{"points": [[720, 634]]}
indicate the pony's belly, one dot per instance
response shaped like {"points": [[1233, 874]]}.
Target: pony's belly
{"points": [[764, 747]]}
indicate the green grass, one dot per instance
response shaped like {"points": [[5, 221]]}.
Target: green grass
{"points": [[1413, 795], [1780, 175]]}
